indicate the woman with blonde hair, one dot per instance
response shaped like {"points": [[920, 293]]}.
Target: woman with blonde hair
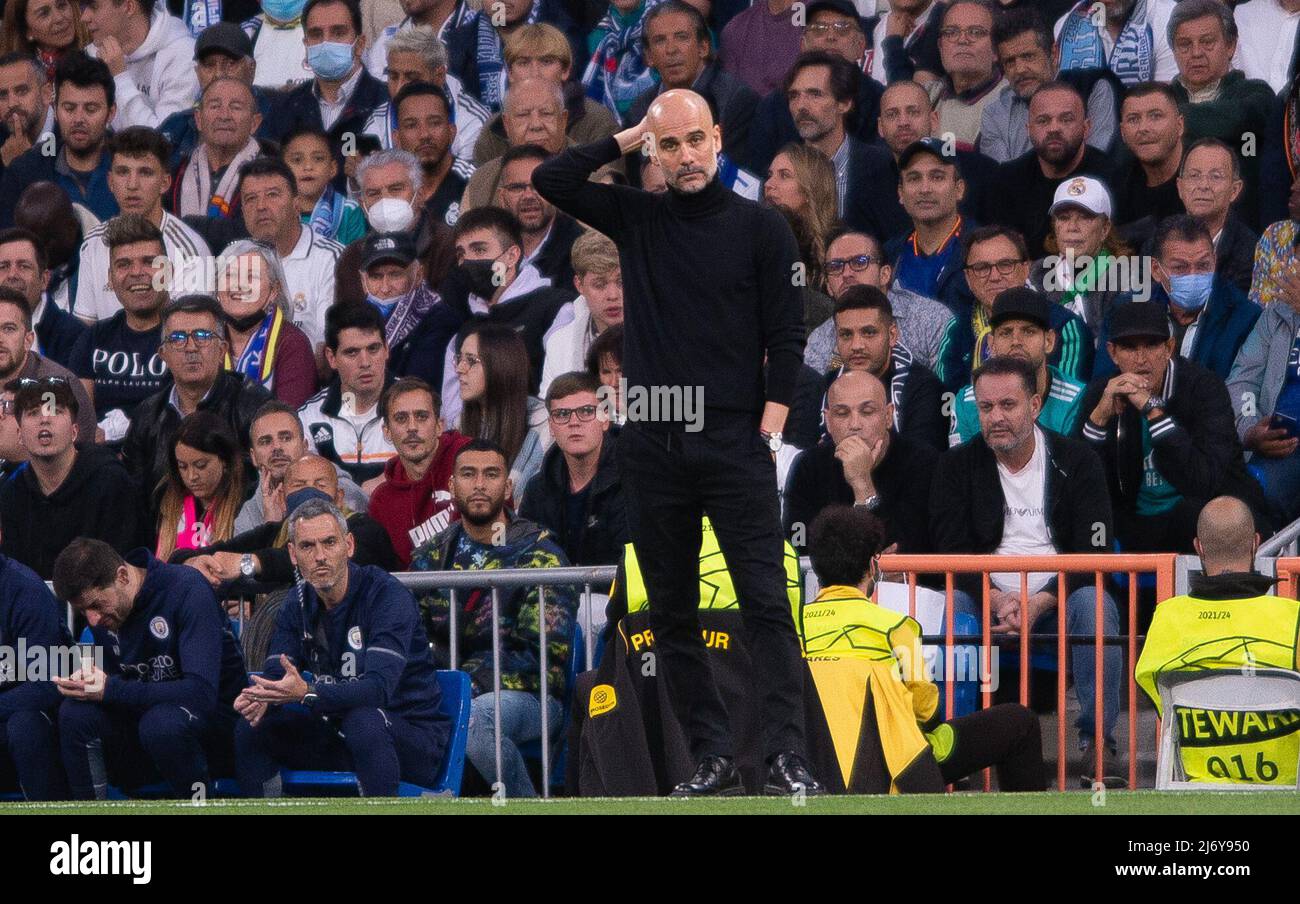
{"points": [[802, 178], [46, 29], [204, 486]]}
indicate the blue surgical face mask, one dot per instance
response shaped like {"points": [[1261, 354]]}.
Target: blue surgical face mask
{"points": [[330, 60], [283, 10], [1190, 292], [298, 497], [385, 306]]}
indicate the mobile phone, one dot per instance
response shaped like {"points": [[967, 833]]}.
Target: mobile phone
{"points": [[1283, 422]]}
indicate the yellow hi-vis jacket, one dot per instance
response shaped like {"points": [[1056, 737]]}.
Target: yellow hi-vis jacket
{"points": [[1188, 634]]}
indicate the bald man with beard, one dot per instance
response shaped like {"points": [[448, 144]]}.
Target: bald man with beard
{"points": [[709, 295]]}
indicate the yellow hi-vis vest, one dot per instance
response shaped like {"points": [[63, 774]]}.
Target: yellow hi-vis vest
{"points": [[716, 590], [1190, 635]]}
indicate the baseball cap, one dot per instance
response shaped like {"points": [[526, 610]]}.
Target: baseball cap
{"points": [[935, 146], [1082, 191], [387, 246], [1021, 303], [843, 7], [1138, 319], [227, 37]]}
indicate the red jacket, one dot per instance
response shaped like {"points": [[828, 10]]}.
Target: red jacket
{"points": [[414, 511]]}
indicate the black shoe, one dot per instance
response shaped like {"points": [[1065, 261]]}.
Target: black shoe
{"points": [[788, 775], [716, 776], [1111, 776]]}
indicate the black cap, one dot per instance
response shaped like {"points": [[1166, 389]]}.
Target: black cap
{"points": [[226, 37], [1136, 319], [397, 247], [843, 7], [936, 146], [1021, 303]]}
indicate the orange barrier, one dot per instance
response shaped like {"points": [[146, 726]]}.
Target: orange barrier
{"points": [[1100, 566], [1288, 573]]}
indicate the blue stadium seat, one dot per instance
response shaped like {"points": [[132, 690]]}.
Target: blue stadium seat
{"points": [[532, 750]]}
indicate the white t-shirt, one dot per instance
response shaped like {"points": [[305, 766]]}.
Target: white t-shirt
{"points": [[186, 250], [280, 55], [1024, 526], [309, 271]]}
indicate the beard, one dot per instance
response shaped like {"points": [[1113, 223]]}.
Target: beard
{"points": [[481, 520], [1056, 158]]}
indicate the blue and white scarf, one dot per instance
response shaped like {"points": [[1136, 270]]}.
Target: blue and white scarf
{"points": [[617, 72], [1133, 60], [491, 58], [327, 215], [257, 361]]}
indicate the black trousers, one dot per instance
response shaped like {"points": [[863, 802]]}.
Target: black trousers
{"points": [[1007, 737], [670, 481]]}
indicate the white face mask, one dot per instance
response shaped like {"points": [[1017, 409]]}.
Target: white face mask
{"points": [[390, 215]]}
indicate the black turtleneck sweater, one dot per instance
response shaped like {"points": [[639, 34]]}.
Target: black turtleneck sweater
{"points": [[708, 283]]}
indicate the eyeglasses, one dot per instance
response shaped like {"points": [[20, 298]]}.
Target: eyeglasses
{"points": [[42, 381], [1005, 267], [6, 407], [857, 263], [178, 338], [1215, 177], [974, 32], [821, 28], [562, 415], [470, 361]]}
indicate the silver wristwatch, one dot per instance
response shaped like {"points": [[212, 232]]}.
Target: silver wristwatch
{"points": [[871, 503], [773, 441], [246, 565], [1152, 404]]}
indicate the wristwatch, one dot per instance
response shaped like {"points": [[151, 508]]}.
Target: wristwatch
{"points": [[246, 565], [871, 503], [309, 699], [1152, 404], [773, 441]]}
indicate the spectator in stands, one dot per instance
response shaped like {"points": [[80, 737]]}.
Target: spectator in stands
{"points": [[139, 179], [327, 211], [1088, 268], [905, 42], [495, 286], [1021, 327], [533, 114], [1266, 45], [1209, 318], [605, 363], [1146, 190], [928, 261], [45, 210], [760, 45], [18, 361], [207, 179], [413, 503], [425, 129], [1026, 56], [204, 488], [1217, 100], [12, 453], [802, 180], [866, 339], [340, 724], [492, 381], [276, 45], [541, 51], [578, 493], [598, 278], [1022, 189], [996, 260], [342, 421], [45, 31], [26, 105], [119, 360], [30, 616], [222, 51], [277, 441], [1274, 277], [490, 536], [342, 96], [417, 54], [436, 16], [176, 718], [194, 350], [1017, 489], [617, 70], [676, 40], [548, 236], [148, 51], [971, 79], [1164, 428], [267, 189], [834, 27], [817, 305], [24, 268], [83, 106], [63, 493], [260, 554], [843, 622], [863, 461], [1133, 41], [1209, 181]]}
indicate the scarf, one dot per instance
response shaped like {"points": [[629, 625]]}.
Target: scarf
{"points": [[327, 215], [491, 62], [257, 361], [197, 195], [617, 72], [408, 312], [50, 60], [979, 322], [1133, 59], [192, 532]]}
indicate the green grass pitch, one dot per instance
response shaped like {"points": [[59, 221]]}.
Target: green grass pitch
{"points": [[1082, 803]]}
